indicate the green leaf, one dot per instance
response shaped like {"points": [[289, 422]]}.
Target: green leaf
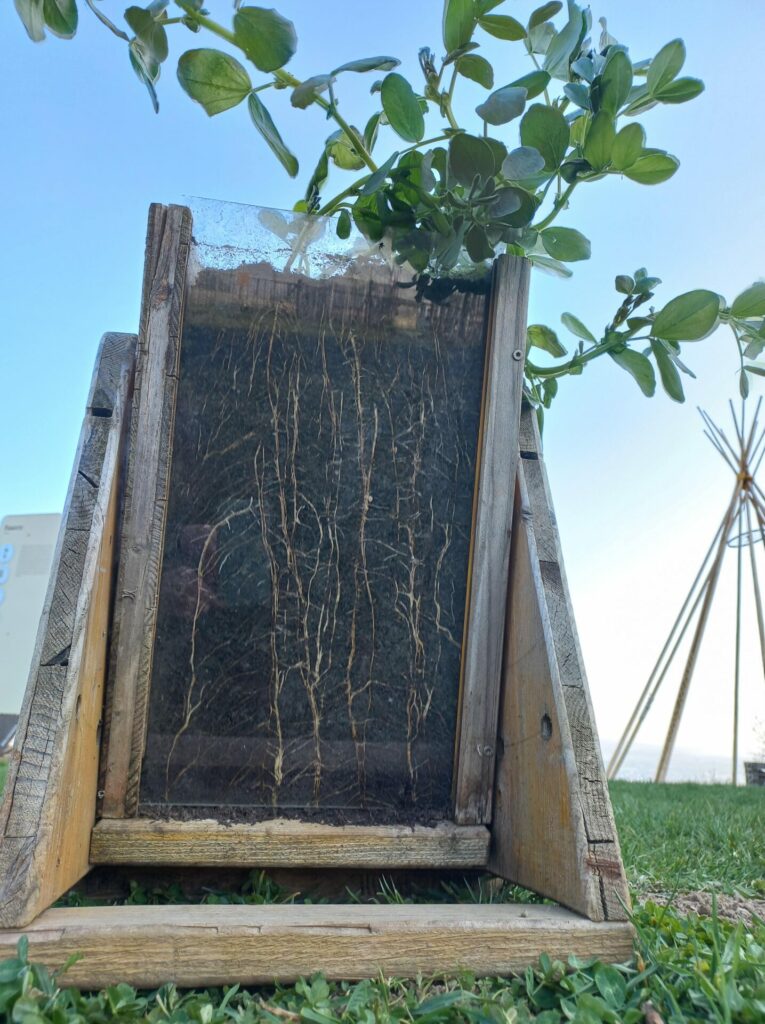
{"points": [[505, 202], [600, 140], [369, 64], [148, 31], [539, 38], [611, 984], [31, 14], [470, 156], [523, 162], [262, 121], [549, 265], [545, 129], [214, 79], [544, 13], [627, 147], [688, 317], [565, 43], [540, 336], [624, 284], [477, 244], [458, 23], [565, 244], [670, 381], [503, 105], [477, 69], [665, 66], [535, 83], [375, 180], [640, 367], [502, 26], [576, 327], [750, 302], [343, 227], [615, 83], [268, 39], [343, 153], [680, 91], [652, 167], [146, 68], [402, 108], [61, 17], [579, 94], [743, 383], [304, 94]]}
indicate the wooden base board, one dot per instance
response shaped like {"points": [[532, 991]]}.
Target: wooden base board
{"points": [[283, 843], [215, 945]]}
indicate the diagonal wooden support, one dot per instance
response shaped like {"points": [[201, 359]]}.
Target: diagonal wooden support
{"points": [[49, 802], [553, 828]]}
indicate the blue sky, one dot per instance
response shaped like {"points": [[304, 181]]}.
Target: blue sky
{"points": [[638, 490]]}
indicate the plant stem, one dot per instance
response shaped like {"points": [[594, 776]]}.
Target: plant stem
{"points": [[106, 21], [331, 205], [558, 205], [578, 360], [286, 79]]}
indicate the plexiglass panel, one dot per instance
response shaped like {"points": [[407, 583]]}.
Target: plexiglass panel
{"points": [[313, 588]]}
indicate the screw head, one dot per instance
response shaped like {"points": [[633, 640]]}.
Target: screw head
{"points": [[517, 355]]}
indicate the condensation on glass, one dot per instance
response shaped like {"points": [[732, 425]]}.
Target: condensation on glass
{"points": [[313, 587]]}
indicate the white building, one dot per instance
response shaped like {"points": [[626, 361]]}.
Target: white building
{"points": [[27, 544]]}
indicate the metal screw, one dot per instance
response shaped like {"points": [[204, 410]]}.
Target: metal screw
{"points": [[517, 355], [100, 794]]}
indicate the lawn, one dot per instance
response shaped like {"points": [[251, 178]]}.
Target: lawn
{"points": [[706, 841]]}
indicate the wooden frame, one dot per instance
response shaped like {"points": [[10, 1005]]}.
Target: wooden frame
{"points": [[167, 252], [147, 494], [532, 803], [285, 843], [49, 802], [553, 828], [216, 945]]}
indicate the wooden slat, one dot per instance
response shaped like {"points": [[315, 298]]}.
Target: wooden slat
{"points": [[283, 843], [216, 945], [50, 796], [553, 829], [484, 622], [145, 505]]}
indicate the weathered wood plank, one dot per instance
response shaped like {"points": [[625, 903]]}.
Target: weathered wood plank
{"points": [[596, 802], [283, 843], [145, 505], [49, 803], [214, 945], [493, 510], [553, 829]]}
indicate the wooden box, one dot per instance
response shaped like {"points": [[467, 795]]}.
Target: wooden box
{"points": [[309, 613]]}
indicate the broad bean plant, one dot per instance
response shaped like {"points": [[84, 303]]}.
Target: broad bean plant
{"points": [[570, 116]]}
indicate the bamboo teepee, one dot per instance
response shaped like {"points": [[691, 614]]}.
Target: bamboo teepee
{"points": [[742, 525]]}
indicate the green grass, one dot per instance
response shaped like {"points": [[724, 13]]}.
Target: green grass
{"points": [[3, 773], [688, 836], [691, 969]]}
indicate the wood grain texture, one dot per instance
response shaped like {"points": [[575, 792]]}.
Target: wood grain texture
{"points": [[493, 510], [286, 843], [50, 796], [142, 540], [214, 945], [553, 829]]}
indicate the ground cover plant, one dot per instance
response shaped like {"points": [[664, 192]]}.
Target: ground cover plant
{"points": [[687, 967], [567, 112]]}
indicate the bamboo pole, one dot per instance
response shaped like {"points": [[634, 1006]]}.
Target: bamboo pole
{"points": [[737, 669], [693, 654], [646, 698]]}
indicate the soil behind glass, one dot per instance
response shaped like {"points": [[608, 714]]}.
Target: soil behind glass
{"points": [[313, 588]]}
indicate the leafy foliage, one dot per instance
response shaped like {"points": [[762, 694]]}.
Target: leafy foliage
{"points": [[454, 200]]}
